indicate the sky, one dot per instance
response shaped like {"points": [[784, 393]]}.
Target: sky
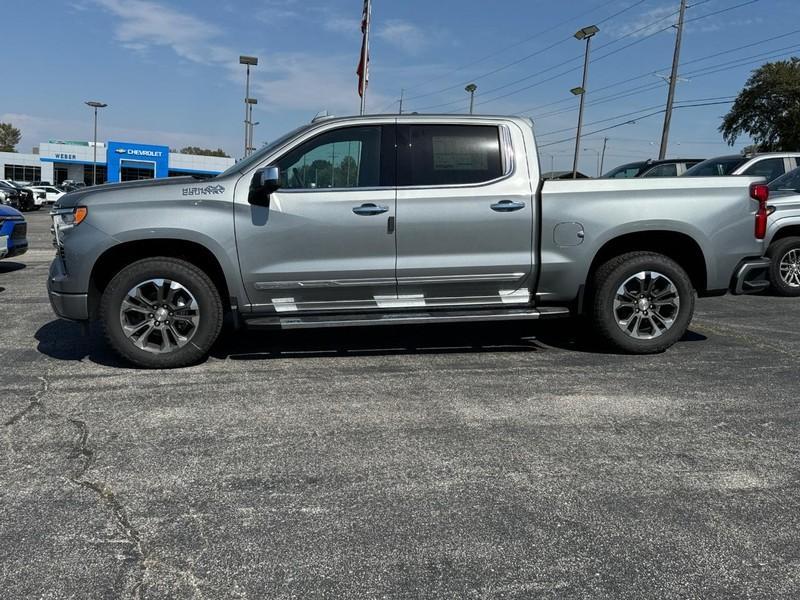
{"points": [[169, 69]]}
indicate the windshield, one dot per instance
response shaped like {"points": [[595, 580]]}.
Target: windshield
{"points": [[716, 167], [788, 182], [626, 171], [255, 158]]}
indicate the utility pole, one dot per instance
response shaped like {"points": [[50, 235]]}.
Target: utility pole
{"points": [[673, 80], [402, 93], [587, 33], [603, 156]]}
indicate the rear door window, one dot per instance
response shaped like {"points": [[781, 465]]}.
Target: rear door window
{"points": [[444, 155], [771, 168]]}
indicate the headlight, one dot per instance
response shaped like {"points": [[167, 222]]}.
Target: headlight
{"points": [[67, 218]]}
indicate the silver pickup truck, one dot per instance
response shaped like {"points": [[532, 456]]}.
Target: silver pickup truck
{"points": [[399, 219], [783, 234]]}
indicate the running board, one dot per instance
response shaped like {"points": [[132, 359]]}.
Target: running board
{"points": [[406, 318]]}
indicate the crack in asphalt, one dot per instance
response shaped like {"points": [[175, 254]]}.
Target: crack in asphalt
{"points": [[135, 556], [34, 402]]}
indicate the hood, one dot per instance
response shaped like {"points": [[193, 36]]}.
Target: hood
{"points": [[7, 211], [72, 199]]}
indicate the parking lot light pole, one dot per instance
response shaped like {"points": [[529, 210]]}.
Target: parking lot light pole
{"points": [[597, 152], [471, 90], [248, 61], [248, 142], [95, 105], [587, 33]]}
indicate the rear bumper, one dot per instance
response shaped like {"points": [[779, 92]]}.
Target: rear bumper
{"points": [[751, 276]]}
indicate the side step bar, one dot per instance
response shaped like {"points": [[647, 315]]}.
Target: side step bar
{"points": [[406, 318]]}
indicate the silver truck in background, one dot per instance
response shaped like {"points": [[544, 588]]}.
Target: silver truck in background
{"points": [[783, 234], [399, 219]]}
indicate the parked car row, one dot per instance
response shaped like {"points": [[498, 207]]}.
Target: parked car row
{"points": [[31, 196], [769, 165]]}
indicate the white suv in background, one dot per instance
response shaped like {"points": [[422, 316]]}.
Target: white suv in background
{"points": [[45, 194], [769, 165]]}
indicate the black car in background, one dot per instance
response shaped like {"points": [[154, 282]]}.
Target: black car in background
{"points": [[16, 196], [669, 167]]}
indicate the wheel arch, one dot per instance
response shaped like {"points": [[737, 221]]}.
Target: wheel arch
{"points": [[680, 247], [115, 258], [785, 231]]}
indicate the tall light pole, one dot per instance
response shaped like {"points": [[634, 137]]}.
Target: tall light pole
{"points": [[587, 33], [253, 135], [673, 80], [249, 61], [471, 90], [95, 105], [597, 152], [248, 141]]}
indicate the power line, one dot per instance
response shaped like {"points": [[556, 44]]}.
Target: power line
{"points": [[649, 73], [572, 69], [524, 58], [523, 41], [708, 70], [632, 121]]}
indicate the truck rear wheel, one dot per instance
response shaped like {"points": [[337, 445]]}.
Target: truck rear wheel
{"points": [[161, 313], [784, 271], [643, 302]]}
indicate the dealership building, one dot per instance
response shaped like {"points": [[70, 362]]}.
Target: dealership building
{"points": [[57, 161]]}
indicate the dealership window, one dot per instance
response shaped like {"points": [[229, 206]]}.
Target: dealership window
{"points": [[87, 174], [23, 173]]}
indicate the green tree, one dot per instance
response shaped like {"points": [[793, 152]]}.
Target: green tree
{"points": [[768, 108], [204, 151], [9, 137]]}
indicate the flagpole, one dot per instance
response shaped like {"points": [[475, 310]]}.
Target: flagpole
{"points": [[365, 58]]}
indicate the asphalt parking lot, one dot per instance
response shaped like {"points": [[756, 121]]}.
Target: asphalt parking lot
{"points": [[478, 461]]}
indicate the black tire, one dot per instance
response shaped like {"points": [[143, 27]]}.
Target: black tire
{"points": [[608, 279], [193, 279], [777, 251]]}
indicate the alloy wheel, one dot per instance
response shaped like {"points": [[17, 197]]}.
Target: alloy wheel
{"points": [[159, 315], [790, 268], [646, 305]]}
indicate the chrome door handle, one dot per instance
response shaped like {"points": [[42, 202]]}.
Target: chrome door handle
{"points": [[369, 209], [507, 206]]}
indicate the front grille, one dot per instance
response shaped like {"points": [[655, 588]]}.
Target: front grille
{"points": [[20, 231]]}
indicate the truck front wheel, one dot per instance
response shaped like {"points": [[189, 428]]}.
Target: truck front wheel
{"points": [[643, 302], [161, 313]]}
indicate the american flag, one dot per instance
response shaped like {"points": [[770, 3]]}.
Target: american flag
{"points": [[363, 63]]}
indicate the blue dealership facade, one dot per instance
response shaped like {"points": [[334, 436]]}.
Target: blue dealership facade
{"points": [[58, 161]]}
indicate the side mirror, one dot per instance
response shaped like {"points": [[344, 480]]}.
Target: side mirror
{"points": [[265, 182]]}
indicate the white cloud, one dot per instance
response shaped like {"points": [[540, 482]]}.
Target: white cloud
{"points": [[299, 81], [645, 24], [143, 23], [404, 35]]}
